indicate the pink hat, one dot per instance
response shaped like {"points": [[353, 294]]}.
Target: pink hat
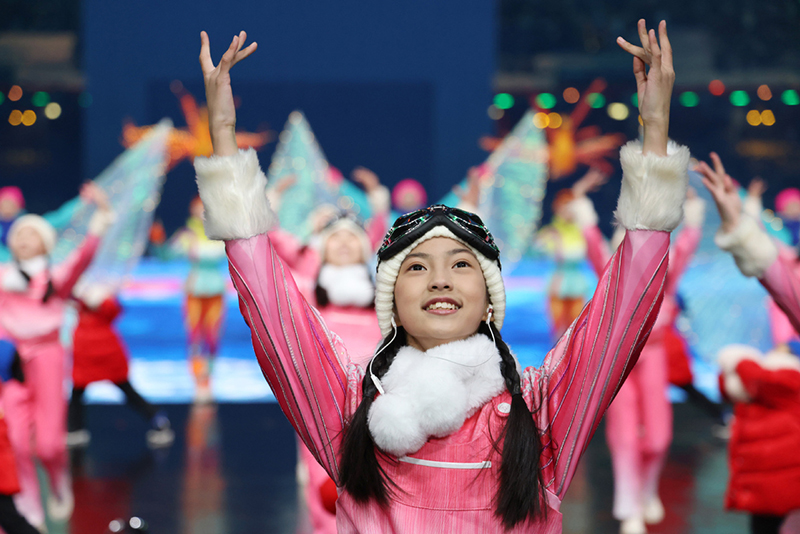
{"points": [[785, 197], [14, 193], [409, 186]]}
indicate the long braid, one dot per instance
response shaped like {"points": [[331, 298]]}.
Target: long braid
{"points": [[521, 491], [361, 475]]}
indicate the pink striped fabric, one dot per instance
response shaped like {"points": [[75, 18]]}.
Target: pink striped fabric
{"points": [[449, 484]]}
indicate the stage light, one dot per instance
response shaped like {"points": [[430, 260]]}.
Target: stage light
{"points": [[546, 101], [504, 101], [2, 97], [40, 99], [52, 110], [85, 100], [596, 100], [753, 117], [635, 100], [15, 93], [740, 98], [790, 97], [571, 95], [555, 120], [495, 113], [541, 120], [15, 118], [764, 92], [618, 111], [29, 117], [716, 87], [767, 117], [689, 99]]}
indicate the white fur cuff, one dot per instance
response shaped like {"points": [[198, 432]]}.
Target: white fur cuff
{"points": [[653, 188], [694, 212], [379, 200], [752, 249], [753, 206], [233, 191], [583, 212], [101, 221]]}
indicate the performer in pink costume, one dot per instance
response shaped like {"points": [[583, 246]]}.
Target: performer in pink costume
{"points": [[756, 255], [335, 274], [33, 297], [470, 442], [639, 421]]}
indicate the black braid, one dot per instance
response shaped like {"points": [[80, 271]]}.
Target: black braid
{"points": [[49, 292], [520, 496], [360, 474]]}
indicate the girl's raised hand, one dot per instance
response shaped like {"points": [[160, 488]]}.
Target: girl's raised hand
{"points": [[654, 86], [219, 96], [724, 191]]}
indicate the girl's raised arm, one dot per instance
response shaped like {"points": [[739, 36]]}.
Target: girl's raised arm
{"points": [[304, 363]]}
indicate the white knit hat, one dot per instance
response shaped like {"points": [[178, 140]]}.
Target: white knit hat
{"points": [[42, 227], [389, 269], [344, 223]]}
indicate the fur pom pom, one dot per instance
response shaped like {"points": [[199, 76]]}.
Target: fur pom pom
{"points": [[752, 249], [233, 191], [653, 188], [728, 358]]}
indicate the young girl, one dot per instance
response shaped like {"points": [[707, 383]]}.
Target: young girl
{"points": [[442, 432], [33, 297], [639, 421]]}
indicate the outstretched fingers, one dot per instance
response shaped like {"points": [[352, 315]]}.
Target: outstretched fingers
{"points": [[205, 54], [666, 46]]}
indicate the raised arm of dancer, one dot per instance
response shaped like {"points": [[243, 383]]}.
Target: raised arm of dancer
{"points": [[66, 274], [379, 203], [584, 371], [598, 251], [753, 251], [304, 363]]}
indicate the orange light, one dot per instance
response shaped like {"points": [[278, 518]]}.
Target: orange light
{"points": [[716, 87], [764, 92], [571, 95], [15, 93], [541, 120], [15, 118], [767, 117], [29, 117], [555, 120], [753, 117], [641, 122]]}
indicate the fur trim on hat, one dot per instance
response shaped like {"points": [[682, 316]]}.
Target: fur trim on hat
{"points": [[752, 249], [45, 230], [583, 212], [653, 187], [389, 269], [344, 223], [431, 394], [233, 191]]}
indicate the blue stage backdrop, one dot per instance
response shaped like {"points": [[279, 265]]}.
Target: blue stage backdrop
{"points": [[401, 87]]}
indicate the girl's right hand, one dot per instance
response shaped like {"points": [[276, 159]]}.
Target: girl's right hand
{"points": [[219, 96], [724, 191]]}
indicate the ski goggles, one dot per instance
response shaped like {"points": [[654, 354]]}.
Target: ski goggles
{"points": [[465, 225]]}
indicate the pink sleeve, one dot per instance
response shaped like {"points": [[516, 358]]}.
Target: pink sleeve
{"points": [[304, 363], [299, 258], [66, 274], [680, 254], [376, 229], [782, 280], [583, 372], [597, 251]]}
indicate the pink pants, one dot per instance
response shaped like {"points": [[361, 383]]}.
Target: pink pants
{"points": [[322, 521], [639, 432], [36, 416]]}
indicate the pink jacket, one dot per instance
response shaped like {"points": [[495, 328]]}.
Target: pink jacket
{"points": [[450, 483], [782, 280], [318, 389], [24, 317]]}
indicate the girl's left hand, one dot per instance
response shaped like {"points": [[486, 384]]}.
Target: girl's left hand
{"points": [[91, 192], [654, 87]]}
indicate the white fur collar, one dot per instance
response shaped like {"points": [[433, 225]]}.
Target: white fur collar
{"points": [[348, 285], [431, 394], [14, 281]]}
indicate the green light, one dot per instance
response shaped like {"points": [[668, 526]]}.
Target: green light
{"points": [[789, 97], [504, 101], [689, 99], [596, 100], [85, 100], [40, 99], [635, 100], [740, 98], [546, 101], [2, 97]]}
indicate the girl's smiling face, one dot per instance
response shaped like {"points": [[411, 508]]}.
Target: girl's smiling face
{"points": [[440, 294]]}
